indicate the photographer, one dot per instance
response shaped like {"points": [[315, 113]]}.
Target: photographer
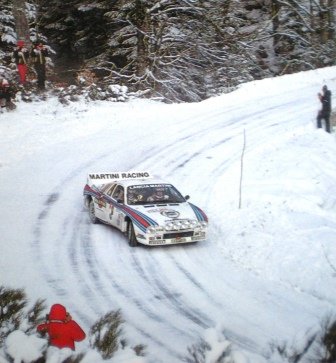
{"points": [[325, 111], [62, 331], [38, 56]]}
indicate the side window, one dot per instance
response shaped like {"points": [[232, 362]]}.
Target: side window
{"points": [[118, 193], [110, 190]]}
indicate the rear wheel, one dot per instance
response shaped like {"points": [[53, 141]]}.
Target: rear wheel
{"points": [[131, 235], [92, 214]]}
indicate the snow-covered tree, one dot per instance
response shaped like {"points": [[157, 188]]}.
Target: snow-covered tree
{"points": [[301, 33], [176, 49], [179, 50]]}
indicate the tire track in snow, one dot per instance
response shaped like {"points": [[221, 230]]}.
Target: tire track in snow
{"points": [[171, 298], [37, 246], [97, 275], [101, 274]]}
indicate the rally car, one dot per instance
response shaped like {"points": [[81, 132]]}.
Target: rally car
{"points": [[148, 210]]}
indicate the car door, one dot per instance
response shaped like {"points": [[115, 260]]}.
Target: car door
{"points": [[100, 207], [115, 213], [103, 205]]}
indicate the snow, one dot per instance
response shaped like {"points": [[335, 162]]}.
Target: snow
{"points": [[24, 348], [265, 275]]}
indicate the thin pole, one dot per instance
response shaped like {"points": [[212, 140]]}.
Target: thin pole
{"points": [[241, 171]]}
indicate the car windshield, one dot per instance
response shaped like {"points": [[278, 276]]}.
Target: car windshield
{"points": [[153, 193]]}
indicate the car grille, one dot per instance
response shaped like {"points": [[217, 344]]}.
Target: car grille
{"points": [[178, 235]]}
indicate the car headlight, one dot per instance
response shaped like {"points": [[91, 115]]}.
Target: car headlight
{"points": [[154, 229], [185, 224], [193, 224], [151, 229], [169, 226], [204, 224]]}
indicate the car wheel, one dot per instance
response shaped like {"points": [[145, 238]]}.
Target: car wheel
{"points": [[131, 235], [92, 215]]}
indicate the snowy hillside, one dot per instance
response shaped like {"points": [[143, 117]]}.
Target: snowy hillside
{"points": [[267, 271]]}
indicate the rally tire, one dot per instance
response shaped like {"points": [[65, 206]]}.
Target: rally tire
{"points": [[132, 241], [92, 214]]}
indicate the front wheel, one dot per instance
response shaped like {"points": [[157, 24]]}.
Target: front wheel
{"points": [[131, 235], [92, 214]]}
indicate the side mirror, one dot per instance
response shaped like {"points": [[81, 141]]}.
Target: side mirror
{"points": [[187, 197]]}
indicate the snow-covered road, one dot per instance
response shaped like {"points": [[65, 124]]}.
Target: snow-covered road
{"points": [[262, 275]]}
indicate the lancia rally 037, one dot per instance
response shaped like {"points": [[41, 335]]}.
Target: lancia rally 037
{"points": [[147, 210]]}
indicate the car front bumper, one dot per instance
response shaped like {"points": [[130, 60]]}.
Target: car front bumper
{"points": [[171, 238]]}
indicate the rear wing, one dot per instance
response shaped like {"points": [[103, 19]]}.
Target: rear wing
{"points": [[110, 177]]}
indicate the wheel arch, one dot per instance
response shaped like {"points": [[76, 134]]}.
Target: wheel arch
{"points": [[132, 240], [127, 220], [87, 200]]}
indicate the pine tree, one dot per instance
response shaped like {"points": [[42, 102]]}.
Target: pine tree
{"points": [[181, 50]]}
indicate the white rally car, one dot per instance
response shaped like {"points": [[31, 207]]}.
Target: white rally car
{"points": [[148, 210]]}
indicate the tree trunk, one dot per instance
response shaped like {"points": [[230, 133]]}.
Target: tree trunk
{"points": [[323, 19], [21, 23], [143, 27], [312, 15], [331, 19], [275, 9]]}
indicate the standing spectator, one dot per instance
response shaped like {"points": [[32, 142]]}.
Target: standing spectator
{"points": [[324, 113], [62, 331], [6, 94], [38, 54], [21, 55]]}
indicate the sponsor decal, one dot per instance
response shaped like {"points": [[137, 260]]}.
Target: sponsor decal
{"points": [[170, 213], [144, 186], [112, 211], [178, 240], [101, 203], [154, 210], [114, 176], [198, 238], [157, 242]]}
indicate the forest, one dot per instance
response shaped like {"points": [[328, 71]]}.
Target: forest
{"points": [[174, 50]]}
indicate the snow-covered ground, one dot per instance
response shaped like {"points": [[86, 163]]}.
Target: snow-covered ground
{"points": [[267, 271]]}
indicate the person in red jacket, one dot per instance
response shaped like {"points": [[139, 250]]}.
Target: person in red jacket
{"points": [[21, 55], [62, 331]]}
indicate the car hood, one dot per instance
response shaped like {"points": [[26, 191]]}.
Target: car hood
{"points": [[158, 214]]}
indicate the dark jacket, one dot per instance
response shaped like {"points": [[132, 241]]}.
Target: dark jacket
{"points": [[62, 330], [7, 90], [325, 99], [38, 55]]}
